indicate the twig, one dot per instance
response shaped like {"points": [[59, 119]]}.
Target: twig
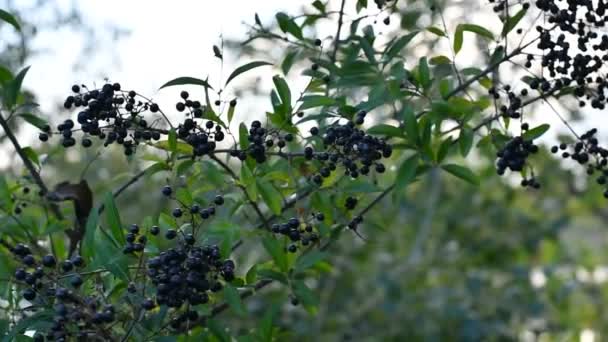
{"points": [[337, 38]]}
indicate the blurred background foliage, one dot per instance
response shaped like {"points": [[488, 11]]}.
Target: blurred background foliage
{"points": [[442, 260]]}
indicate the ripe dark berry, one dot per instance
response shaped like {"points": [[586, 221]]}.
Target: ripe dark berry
{"points": [[29, 294], [177, 212], [314, 131], [184, 95], [43, 137], [67, 266], [29, 260], [148, 304], [78, 261], [180, 106], [167, 190], [292, 248], [76, 281], [219, 200], [318, 42], [154, 230], [171, 234], [86, 142], [134, 229], [154, 108], [49, 261], [76, 88]]}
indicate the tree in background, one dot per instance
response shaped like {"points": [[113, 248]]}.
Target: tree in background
{"points": [[366, 205]]}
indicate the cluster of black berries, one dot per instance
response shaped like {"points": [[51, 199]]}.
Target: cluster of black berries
{"points": [[201, 137], [298, 231], [186, 273], [514, 154], [109, 113], [135, 242], [50, 283], [357, 151], [512, 109], [587, 151], [195, 209], [260, 140], [350, 203], [581, 65]]}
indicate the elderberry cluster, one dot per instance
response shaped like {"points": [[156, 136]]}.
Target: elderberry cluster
{"points": [[357, 151], [587, 151], [513, 156], [186, 273], [298, 231], [573, 48], [52, 283]]}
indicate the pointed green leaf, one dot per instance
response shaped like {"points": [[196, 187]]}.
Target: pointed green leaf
{"points": [[536, 132], [113, 218], [462, 172], [244, 68], [277, 252], [271, 196], [398, 44], [185, 80], [234, 300], [511, 22], [10, 19], [406, 172]]}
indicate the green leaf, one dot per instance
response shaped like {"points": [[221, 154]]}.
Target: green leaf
{"points": [[271, 196], [13, 89], [361, 4], [287, 25], [31, 155], [277, 252], [406, 172], [10, 19], [511, 22], [384, 129], [172, 140], [312, 101], [458, 37], [462, 172], [180, 147], [536, 132], [307, 296], [113, 218], [410, 124], [234, 300], [252, 274], [185, 80], [479, 30], [244, 68], [248, 180], [288, 61], [283, 91], [306, 261], [398, 44], [465, 141], [89, 235], [436, 31], [230, 113], [243, 134], [33, 120], [440, 60], [424, 73]]}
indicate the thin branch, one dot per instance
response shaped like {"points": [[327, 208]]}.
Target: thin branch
{"points": [[253, 204], [337, 38]]}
